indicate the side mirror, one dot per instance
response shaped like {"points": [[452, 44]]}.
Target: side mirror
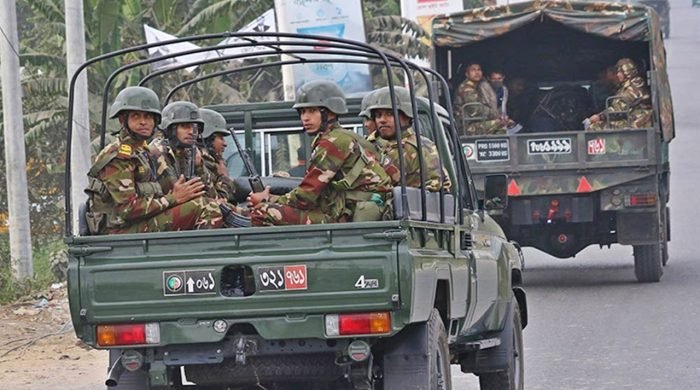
{"points": [[495, 192]]}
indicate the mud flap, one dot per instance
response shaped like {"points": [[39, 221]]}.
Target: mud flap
{"points": [[406, 359], [496, 358]]}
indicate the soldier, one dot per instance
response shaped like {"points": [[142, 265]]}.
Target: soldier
{"points": [[367, 120], [344, 180], [480, 117], [212, 154], [386, 139], [632, 97], [496, 80], [176, 152], [123, 193]]}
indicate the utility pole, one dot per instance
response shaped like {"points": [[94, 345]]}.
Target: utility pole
{"points": [[15, 158], [80, 147]]}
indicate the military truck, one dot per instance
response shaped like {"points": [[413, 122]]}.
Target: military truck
{"points": [[569, 188], [361, 305]]}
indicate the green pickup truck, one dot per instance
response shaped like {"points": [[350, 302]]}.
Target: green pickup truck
{"points": [[364, 305], [569, 187]]}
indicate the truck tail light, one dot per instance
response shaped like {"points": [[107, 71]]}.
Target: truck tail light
{"points": [[640, 200], [358, 324], [128, 334]]}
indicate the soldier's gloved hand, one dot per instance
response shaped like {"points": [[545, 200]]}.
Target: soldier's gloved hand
{"points": [[185, 191], [595, 118]]}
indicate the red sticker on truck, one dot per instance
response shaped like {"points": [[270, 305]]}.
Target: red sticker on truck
{"points": [[596, 146], [290, 277]]}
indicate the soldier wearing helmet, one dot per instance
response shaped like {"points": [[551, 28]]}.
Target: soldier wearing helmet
{"points": [[632, 97], [367, 120], [386, 140], [344, 180], [212, 154], [176, 152], [124, 195], [474, 111]]}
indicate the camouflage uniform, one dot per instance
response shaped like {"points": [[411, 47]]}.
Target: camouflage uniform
{"points": [[123, 194], [484, 122], [390, 161], [172, 162], [215, 123], [223, 185], [344, 173], [633, 97], [435, 175]]}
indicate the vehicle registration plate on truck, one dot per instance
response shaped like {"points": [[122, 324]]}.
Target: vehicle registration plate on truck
{"points": [[289, 277]]}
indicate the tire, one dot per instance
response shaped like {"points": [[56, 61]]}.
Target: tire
{"points": [[648, 261], [440, 375], [667, 231], [419, 358], [136, 380], [512, 378]]}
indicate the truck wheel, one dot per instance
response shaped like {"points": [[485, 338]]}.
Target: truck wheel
{"points": [[137, 380], [511, 378], [648, 263], [419, 358]]}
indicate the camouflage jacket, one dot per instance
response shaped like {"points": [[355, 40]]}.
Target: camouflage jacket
{"points": [[633, 97], [435, 176], [224, 186], [485, 120], [122, 185], [341, 164], [171, 163]]}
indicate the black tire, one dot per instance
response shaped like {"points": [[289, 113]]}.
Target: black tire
{"points": [[667, 230], [137, 380], [512, 378], [648, 261], [440, 376], [412, 346]]}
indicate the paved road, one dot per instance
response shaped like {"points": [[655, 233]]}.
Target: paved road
{"points": [[592, 326]]}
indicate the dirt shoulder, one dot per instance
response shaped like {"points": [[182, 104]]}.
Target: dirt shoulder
{"points": [[39, 350]]}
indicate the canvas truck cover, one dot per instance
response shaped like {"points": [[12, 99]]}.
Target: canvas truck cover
{"points": [[616, 21]]}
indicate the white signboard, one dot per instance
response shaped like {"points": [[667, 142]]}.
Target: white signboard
{"points": [[423, 11], [153, 35], [263, 23], [332, 18]]}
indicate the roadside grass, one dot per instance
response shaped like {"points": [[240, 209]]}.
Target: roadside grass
{"points": [[11, 289]]}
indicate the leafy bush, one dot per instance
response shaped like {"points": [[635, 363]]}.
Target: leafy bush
{"points": [[11, 289]]}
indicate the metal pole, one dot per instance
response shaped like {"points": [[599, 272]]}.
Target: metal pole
{"points": [[15, 158], [80, 145]]}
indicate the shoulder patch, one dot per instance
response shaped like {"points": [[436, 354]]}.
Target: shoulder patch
{"points": [[124, 151]]}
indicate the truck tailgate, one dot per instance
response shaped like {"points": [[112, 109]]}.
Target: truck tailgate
{"points": [[195, 274]]}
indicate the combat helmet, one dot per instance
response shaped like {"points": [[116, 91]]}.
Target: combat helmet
{"points": [[627, 67], [321, 93], [382, 100], [214, 123], [180, 112], [136, 99], [366, 101]]}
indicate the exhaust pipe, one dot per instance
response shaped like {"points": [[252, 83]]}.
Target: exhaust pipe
{"points": [[115, 372]]}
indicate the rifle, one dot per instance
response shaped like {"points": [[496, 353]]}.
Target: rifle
{"points": [[256, 184], [189, 162]]}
